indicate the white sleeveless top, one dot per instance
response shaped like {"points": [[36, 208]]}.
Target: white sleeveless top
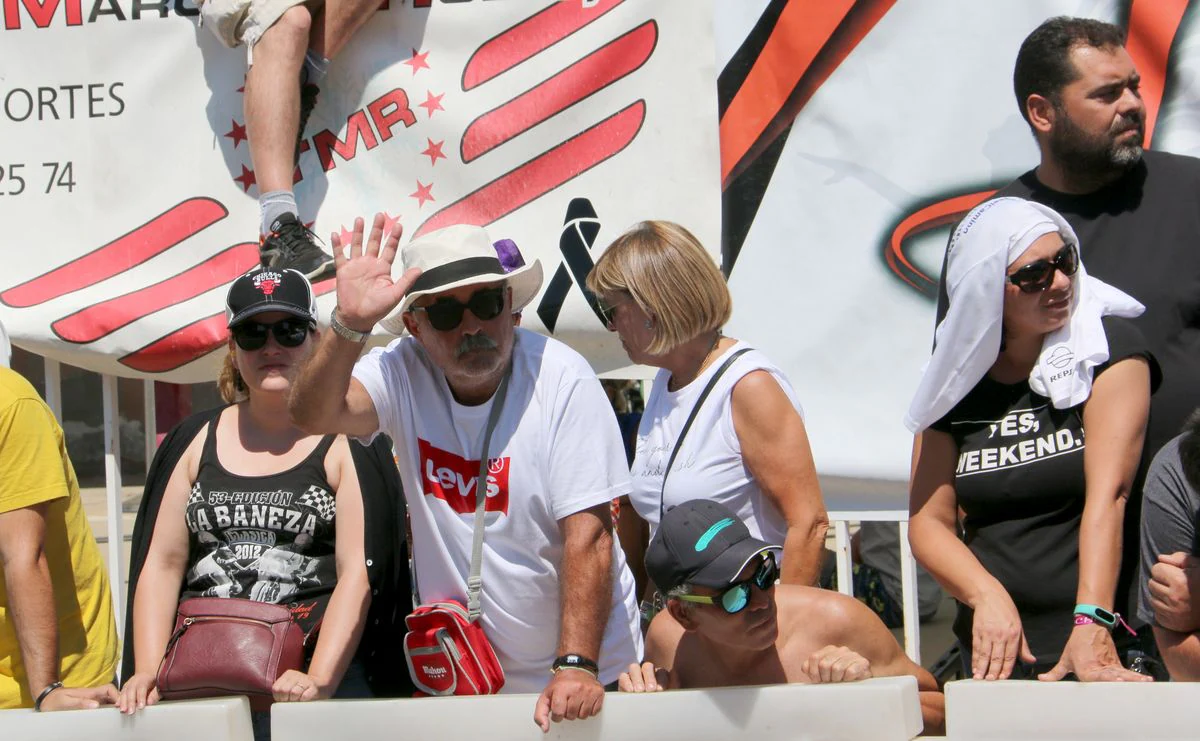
{"points": [[709, 465]]}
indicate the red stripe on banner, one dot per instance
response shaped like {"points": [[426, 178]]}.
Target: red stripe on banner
{"points": [[102, 319], [930, 217], [531, 36], [152, 238], [797, 58], [547, 171], [589, 75], [179, 348], [1152, 28], [190, 343]]}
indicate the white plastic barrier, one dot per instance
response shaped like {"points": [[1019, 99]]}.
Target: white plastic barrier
{"points": [[226, 719], [1066, 711], [886, 709], [864, 500]]}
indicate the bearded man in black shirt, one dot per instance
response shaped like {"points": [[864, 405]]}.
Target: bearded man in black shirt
{"points": [[1137, 213]]}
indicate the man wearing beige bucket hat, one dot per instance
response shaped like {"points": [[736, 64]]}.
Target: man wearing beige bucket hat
{"points": [[557, 600]]}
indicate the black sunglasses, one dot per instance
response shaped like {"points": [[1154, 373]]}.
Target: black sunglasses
{"points": [[608, 312], [1038, 275], [288, 333], [735, 598], [446, 313]]}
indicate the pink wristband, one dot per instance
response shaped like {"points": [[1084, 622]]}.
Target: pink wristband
{"points": [[1085, 620]]}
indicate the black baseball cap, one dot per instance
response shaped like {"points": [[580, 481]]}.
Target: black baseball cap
{"points": [[701, 542], [265, 290]]}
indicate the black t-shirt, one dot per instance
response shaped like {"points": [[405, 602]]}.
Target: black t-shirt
{"points": [[1142, 235], [264, 538], [1020, 484]]}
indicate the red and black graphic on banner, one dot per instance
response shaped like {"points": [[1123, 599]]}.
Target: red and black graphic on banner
{"points": [[795, 46], [615, 60]]}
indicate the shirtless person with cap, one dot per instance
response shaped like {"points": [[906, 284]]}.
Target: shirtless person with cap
{"points": [[727, 623]]}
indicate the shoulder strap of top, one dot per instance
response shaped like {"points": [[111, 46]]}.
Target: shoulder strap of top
{"points": [[662, 494], [208, 454], [316, 459]]}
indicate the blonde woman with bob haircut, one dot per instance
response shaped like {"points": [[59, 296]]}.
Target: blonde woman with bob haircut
{"points": [[747, 447]]}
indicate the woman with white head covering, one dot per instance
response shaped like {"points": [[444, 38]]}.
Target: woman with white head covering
{"points": [[1032, 352]]}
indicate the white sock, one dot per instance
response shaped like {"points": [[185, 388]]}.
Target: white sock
{"points": [[274, 204], [315, 67]]}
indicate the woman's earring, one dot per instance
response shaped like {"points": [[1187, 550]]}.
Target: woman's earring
{"points": [[649, 324]]}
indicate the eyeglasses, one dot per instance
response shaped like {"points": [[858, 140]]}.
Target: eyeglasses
{"points": [[735, 598], [1038, 275], [608, 311], [446, 313], [253, 335]]}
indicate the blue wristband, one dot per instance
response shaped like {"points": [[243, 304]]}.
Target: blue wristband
{"points": [[1105, 617]]}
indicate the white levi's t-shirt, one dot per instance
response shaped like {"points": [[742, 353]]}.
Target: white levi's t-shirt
{"points": [[556, 450], [710, 464]]}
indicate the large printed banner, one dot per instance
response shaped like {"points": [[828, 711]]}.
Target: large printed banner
{"points": [[128, 196], [852, 133]]}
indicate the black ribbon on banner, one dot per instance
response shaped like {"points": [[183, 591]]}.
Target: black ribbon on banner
{"points": [[579, 231]]}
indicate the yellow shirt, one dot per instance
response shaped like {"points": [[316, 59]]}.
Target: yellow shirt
{"points": [[34, 468]]}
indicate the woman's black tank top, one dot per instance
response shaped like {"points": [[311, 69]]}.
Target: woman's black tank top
{"points": [[266, 538]]}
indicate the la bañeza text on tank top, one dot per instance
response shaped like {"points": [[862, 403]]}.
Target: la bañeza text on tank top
{"points": [[266, 538]]}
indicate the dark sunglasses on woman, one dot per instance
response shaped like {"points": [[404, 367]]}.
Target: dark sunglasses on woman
{"points": [[735, 598], [250, 335], [1037, 276], [446, 313]]}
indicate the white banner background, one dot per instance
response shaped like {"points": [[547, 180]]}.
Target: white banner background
{"points": [[920, 110], [169, 131]]}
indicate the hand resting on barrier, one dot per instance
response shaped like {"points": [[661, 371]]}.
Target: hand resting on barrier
{"points": [[829, 665], [138, 692], [296, 686], [573, 694], [1092, 657], [79, 698], [645, 677], [834, 664]]}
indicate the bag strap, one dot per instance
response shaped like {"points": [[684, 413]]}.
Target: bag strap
{"points": [[475, 580], [662, 494]]}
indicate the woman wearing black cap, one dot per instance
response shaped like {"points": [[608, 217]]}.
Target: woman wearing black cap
{"points": [[242, 504]]}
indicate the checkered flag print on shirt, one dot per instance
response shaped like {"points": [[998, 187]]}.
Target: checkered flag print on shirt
{"points": [[320, 500], [197, 496]]}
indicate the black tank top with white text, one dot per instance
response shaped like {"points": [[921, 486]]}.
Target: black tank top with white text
{"points": [[266, 538]]}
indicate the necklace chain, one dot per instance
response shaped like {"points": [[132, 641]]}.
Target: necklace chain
{"points": [[711, 348]]}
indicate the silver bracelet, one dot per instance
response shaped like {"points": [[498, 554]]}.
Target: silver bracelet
{"points": [[353, 335]]}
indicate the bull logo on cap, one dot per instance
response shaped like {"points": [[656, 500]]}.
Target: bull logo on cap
{"points": [[267, 281]]}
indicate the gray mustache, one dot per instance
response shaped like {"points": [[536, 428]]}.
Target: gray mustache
{"points": [[475, 342]]}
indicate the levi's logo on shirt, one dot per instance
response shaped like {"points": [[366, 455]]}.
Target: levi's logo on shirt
{"points": [[452, 479]]}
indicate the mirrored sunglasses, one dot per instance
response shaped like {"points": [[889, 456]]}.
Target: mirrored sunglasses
{"points": [[251, 335], [446, 313], [1037, 276], [735, 598]]}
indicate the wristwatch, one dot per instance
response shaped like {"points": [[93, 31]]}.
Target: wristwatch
{"points": [[575, 661], [345, 332]]}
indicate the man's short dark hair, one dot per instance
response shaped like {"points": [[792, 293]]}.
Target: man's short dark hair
{"points": [[1044, 64], [1189, 450]]}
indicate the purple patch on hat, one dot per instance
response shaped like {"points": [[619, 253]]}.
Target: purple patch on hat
{"points": [[509, 254]]}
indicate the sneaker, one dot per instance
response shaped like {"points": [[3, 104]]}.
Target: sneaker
{"points": [[308, 101], [292, 245]]}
